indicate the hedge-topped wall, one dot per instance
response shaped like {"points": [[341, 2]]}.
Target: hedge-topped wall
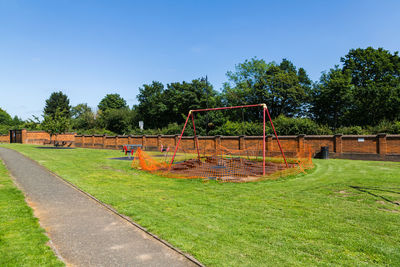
{"points": [[373, 147], [368, 147]]}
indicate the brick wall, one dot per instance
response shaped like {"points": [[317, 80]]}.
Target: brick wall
{"points": [[41, 137], [4, 138], [371, 147]]}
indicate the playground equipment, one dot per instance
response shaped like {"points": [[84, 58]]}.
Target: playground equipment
{"points": [[129, 150], [222, 163]]}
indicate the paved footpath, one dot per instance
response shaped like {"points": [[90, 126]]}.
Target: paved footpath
{"points": [[82, 231]]}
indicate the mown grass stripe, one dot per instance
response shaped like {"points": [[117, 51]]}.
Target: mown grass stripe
{"points": [[22, 240]]}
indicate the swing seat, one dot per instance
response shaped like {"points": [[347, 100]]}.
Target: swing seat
{"points": [[163, 149]]}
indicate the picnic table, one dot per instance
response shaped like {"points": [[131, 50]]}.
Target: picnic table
{"points": [[62, 143], [57, 143], [130, 149]]}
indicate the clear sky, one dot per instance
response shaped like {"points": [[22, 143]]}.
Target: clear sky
{"points": [[88, 49]]}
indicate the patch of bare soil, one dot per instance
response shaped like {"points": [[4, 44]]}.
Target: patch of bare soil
{"points": [[343, 193], [393, 211], [226, 169]]}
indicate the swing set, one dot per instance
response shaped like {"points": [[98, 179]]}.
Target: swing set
{"points": [[265, 111], [212, 160]]}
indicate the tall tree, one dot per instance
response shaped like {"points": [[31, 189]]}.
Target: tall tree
{"points": [[57, 100], [120, 121], [80, 109], [5, 118], [185, 96], [159, 107], [332, 98], [152, 108], [56, 123], [182, 97], [112, 101], [375, 74], [286, 90], [282, 87], [83, 117]]}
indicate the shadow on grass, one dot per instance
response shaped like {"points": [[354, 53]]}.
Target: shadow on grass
{"points": [[368, 191], [55, 147], [123, 158]]}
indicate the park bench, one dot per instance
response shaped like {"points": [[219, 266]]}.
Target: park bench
{"points": [[58, 143], [62, 143], [47, 142]]}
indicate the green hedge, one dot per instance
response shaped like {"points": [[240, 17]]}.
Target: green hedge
{"points": [[283, 126]]}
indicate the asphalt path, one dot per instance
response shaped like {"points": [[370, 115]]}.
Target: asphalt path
{"points": [[82, 231]]}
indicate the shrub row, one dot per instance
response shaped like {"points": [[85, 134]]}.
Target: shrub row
{"points": [[283, 126]]}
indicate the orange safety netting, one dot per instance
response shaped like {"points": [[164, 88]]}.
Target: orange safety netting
{"points": [[222, 164]]}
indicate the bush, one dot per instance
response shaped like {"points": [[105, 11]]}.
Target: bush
{"points": [[396, 127], [93, 131], [387, 127], [119, 121], [175, 128], [383, 127], [296, 126], [283, 126], [357, 130], [231, 128], [4, 129], [171, 129]]}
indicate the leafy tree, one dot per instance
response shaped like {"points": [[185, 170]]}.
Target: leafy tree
{"points": [[79, 110], [182, 97], [7, 123], [375, 74], [83, 117], [287, 90], [241, 89], [159, 106], [282, 87], [235, 128], [152, 106], [57, 101], [16, 121], [120, 121], [56, 123], [5, 118], [294, 126], [32, 123], [332, 98], [112, 101]]}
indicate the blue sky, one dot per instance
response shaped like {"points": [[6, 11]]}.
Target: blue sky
{"points": [[88, 49]]}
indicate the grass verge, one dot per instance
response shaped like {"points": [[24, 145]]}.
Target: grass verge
{"points": [[341, 213], [22, 241]]}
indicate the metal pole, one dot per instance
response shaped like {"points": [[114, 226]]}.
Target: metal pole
{"points": [[177, 145], [207, 105], [195, 137], [263, 141], [277, 139], [245, 106]]}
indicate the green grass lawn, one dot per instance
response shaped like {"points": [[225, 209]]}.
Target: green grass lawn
{"points": [[22, 241], [342, 212]]}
